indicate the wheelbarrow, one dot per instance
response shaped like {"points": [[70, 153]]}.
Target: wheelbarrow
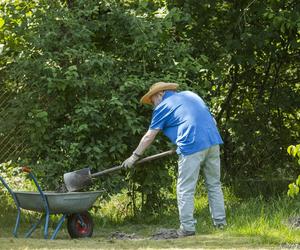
{"points": [[73, 206]]}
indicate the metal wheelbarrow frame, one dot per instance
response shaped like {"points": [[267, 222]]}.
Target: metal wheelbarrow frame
{"points": [[73, 205]]}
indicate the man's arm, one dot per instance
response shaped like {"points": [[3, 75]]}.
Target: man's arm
{"points": [[146, 141]]}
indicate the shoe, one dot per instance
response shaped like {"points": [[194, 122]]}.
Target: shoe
{"points": [[183, 233], [220, 226]]}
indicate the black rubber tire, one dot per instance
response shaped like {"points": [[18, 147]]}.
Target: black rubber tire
{"points": [[75, 227]]}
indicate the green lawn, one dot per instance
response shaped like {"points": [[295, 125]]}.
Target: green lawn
{"points": [[211, 241], [255, 223], [102, 240]]}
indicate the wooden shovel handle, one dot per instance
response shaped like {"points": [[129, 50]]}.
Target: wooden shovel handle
{"points": [[154, 157], [146, 159]]}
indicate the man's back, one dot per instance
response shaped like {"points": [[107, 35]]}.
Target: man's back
{"points": [[186, 120]]}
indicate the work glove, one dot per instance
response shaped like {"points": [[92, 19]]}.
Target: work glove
{"points": [[128, 163]]}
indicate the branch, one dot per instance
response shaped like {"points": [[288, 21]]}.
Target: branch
{"points": [[226, 103]]}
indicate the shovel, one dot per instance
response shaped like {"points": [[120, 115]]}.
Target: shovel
{"points": [[78, 179]]}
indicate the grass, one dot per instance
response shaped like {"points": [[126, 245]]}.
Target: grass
{"points": [[254, 223]]}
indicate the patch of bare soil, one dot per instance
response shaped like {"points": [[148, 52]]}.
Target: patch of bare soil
{"points": [[124, 236], [163, 234], [294, 222]]}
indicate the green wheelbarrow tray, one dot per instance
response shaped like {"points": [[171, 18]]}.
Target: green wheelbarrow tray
{"points": [[59, 203]]}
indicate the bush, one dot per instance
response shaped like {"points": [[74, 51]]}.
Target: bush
{"points": [[294, 187]]}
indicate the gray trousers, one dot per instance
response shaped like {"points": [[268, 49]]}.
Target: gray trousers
{"points": [[188, 172]]}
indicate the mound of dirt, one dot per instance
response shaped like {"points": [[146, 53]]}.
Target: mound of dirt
{"points": [[294, 222], [62, 189], [123, 236], [163, 234]]}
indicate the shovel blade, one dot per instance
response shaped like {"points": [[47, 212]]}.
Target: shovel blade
{"points": [[78, 179]]}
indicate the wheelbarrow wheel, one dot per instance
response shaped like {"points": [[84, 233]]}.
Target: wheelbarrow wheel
{"points": [[80, 225]]}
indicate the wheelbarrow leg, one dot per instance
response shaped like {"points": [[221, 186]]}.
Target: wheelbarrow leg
{"points": [[45, 201], [15, 232], [34, 226], [46, 225], [61, 221]]}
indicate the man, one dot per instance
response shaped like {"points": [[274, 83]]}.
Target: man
{"points": [[185, 119]]}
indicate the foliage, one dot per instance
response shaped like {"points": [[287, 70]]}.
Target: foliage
{"points": [[253, 78], [16, 180], [76, 70], [77, 97], [294, 187]]}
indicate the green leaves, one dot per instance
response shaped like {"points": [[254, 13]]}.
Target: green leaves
{"points": [[2, 22], [294, 187], [71, 73], [294, 150]]}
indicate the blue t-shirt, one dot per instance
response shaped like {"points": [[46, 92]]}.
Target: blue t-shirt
{"points": [[185, 119]]}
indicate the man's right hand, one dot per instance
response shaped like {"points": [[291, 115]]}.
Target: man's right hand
{"points": [[129, 162]]}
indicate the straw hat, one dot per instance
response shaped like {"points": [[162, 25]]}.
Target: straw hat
{"points": [[157, 87]]}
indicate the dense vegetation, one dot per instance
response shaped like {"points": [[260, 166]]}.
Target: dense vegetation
{"points": [[76, 69]]}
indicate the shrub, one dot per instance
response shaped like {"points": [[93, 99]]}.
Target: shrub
{"points": [[294, 187]]}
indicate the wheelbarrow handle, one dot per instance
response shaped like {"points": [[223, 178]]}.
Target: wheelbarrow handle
{"points": [[26, 169], [146, 159]]}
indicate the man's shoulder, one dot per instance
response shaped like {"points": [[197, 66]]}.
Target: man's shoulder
{"points": [[190, 95], [187, 92]]}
